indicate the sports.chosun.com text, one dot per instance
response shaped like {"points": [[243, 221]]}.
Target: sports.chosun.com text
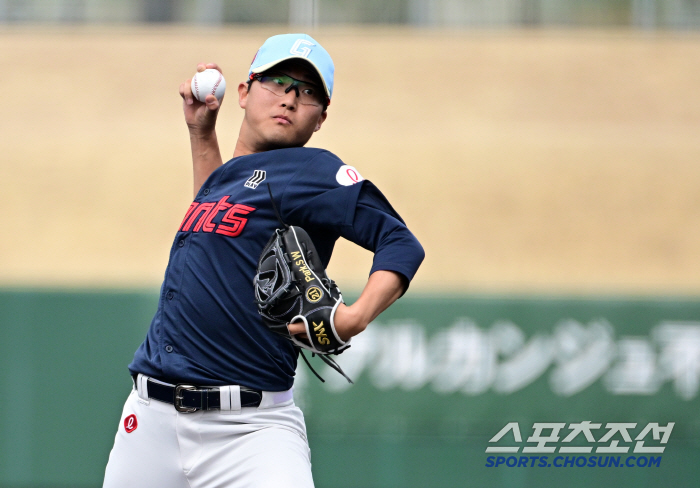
{"points": [[573, 461]]}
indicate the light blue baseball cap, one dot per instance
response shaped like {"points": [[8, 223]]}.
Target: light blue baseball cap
{"points": [[295, 46]]}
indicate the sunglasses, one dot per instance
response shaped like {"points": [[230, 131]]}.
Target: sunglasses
{"points": [[281, 84]]}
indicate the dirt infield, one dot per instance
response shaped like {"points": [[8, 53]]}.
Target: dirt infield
{"points": [[524, 161]]}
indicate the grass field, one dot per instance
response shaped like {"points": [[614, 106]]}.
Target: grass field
{"points": [[528, 161]]}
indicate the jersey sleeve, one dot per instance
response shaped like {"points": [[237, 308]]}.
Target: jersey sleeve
{"points": [[321, 199], [377, 227]]}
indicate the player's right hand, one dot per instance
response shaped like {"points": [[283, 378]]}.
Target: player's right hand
{"points": [[200, 117]]}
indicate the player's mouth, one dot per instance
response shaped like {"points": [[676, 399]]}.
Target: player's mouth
{"points": [[282, 119]]}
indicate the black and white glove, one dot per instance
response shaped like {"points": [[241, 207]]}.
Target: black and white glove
{"points": [[291, 285]]}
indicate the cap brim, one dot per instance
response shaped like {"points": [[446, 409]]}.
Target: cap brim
{"points": [[267, 66]]}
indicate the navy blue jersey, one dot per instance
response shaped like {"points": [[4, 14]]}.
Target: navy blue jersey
{"points": [[207, 330]]}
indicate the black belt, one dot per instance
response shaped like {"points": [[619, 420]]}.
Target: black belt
{"points": [[188, 398]]}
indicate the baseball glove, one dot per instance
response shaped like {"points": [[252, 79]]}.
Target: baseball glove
{"points": [[291, 285]]}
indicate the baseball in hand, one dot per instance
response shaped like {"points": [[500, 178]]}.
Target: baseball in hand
{"points": [[206, 82]]}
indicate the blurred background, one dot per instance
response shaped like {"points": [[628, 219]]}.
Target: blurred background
{"points": [[543, 151]]}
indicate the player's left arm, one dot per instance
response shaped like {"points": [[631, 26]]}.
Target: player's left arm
{"points": [[397, 255], [382, 289]]}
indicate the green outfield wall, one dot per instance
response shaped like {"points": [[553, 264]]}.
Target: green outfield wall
{"points": [[437, 380]]}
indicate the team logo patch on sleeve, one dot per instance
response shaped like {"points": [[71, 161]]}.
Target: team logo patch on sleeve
{"points": [[348, 175], [257, 178]]}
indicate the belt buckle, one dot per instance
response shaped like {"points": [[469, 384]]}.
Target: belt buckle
{"points": [[178, 399]]}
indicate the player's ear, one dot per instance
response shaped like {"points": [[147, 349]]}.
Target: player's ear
{"points": [[321, 119], [243, 89]]}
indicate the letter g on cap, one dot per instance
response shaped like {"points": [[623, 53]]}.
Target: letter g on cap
{"points": [[297, 50]]}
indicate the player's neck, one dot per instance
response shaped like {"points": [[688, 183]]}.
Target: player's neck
{"points": [[247, 142], [242, 149]]}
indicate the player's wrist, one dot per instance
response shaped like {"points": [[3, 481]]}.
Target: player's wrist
{"points": [[202, 135], [350, 321]]}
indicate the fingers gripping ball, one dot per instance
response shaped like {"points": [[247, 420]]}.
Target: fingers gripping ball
{"points": [[209, 81], [291, 285]]}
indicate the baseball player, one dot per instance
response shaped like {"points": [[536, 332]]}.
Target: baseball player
{"points": [[212, 403]]}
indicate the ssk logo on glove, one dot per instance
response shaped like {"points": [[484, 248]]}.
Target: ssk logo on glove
{"points": [[321, 333]]}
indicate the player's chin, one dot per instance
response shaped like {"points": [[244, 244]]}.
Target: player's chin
{"points": [[282, 139]]}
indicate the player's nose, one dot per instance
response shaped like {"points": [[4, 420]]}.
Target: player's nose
{"points": [[289, 100]]}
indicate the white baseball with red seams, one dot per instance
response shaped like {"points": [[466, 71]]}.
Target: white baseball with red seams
{"points": [[209, 81]]}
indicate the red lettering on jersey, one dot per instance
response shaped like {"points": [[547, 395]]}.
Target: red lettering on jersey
{"points": [[130, 423], [195, 213], [231, 218], [205, 213], [220, 206], [193, 205], [207, 207]]}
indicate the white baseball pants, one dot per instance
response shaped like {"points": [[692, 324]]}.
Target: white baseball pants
{"points": [[157, 446]]}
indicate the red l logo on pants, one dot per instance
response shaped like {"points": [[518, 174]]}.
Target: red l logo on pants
{"points": [[130, 424]]}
